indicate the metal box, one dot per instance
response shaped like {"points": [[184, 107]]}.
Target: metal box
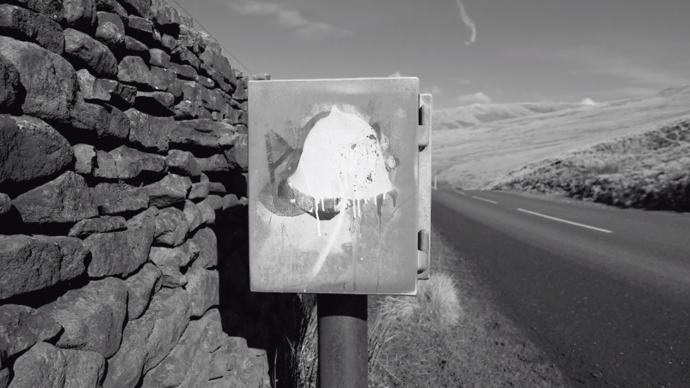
{"points": [[333, 185]]}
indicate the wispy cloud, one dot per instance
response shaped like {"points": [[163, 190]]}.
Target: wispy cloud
{"points": [[468, 22], [301, 27], [476, 98]]}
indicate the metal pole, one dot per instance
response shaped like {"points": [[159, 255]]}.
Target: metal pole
{"points": [[342, 341]]}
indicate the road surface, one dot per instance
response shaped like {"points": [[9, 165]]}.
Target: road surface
{"points": [[604, 292]]}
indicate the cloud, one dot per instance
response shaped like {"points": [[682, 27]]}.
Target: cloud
{"points": [[394, 75], [434, 89], [468, 22], [476, 98], [302, 28], [588, 101]]}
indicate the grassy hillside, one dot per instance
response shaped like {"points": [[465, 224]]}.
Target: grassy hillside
{"points": [[650, 170], [473, 156]]}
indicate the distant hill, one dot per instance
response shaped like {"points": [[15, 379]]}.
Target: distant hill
{"points": [[475, 145], [471, 115]]}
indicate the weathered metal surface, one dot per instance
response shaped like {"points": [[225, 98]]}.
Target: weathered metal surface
{"points": [[343, 341], [333, 185], [424, 210]]}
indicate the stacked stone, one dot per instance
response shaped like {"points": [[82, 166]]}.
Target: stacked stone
{"points": [[122, 136]]}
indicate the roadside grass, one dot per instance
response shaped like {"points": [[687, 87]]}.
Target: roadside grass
{"points": [[449, 335]]}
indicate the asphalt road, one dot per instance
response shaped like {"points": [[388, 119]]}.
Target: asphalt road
{"points": [[604, 292]]}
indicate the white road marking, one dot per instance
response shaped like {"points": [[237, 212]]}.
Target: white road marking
{"points": [[462, 192], [485, 200], [566, 221]]}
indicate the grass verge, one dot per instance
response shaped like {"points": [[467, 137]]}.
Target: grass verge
{"points": [[449, 335]]}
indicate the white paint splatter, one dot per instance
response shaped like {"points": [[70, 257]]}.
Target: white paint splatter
{"points": [[468, 22]]}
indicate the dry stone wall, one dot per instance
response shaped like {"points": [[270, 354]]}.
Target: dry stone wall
{"points": [[123, 203]]}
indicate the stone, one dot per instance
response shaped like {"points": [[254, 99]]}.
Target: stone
{"points": [[106, 121], [189, 106], [92, 316], [110, 31], [105, 224], [215, 163], [46, 366], [4, 377], [216, 188], [199, 190], [62, 200], [163, 79], [127, 163], [34, 27], [149, 132], [164, 15], [193, 215], [205, 239], [21, 327], [198, 337], [139, 8], [186, 21], [191, 39], [111, 6], [160, 103], [84, 368], [203, 286], [168, 42], [207, 213], [215, 202], [49, 80], [184, 72], [43, 366], [165, 259], [51, 8], [171, 227], [115, 198], [134, 47], [121, 253], [5, 203], [183, 56], [141, 29], [159, 58], [207, 134], [206, 82], [89, 89], [230, 201], [238, 155], [85, 155], [183, 163], [120, 94], [132, 69], [86, 52], [169, 191], [10, 87], [240, 93], [34, 263], [141, 286], [80, 14], [30, 149], [148, 340]]}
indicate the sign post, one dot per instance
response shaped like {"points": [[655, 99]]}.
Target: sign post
{"points": [[339, 202]]}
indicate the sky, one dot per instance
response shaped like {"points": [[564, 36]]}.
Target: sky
{"points": [[474, 51]]}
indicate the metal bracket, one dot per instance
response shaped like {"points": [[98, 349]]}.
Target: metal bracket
{"points": [[424, 188]]}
